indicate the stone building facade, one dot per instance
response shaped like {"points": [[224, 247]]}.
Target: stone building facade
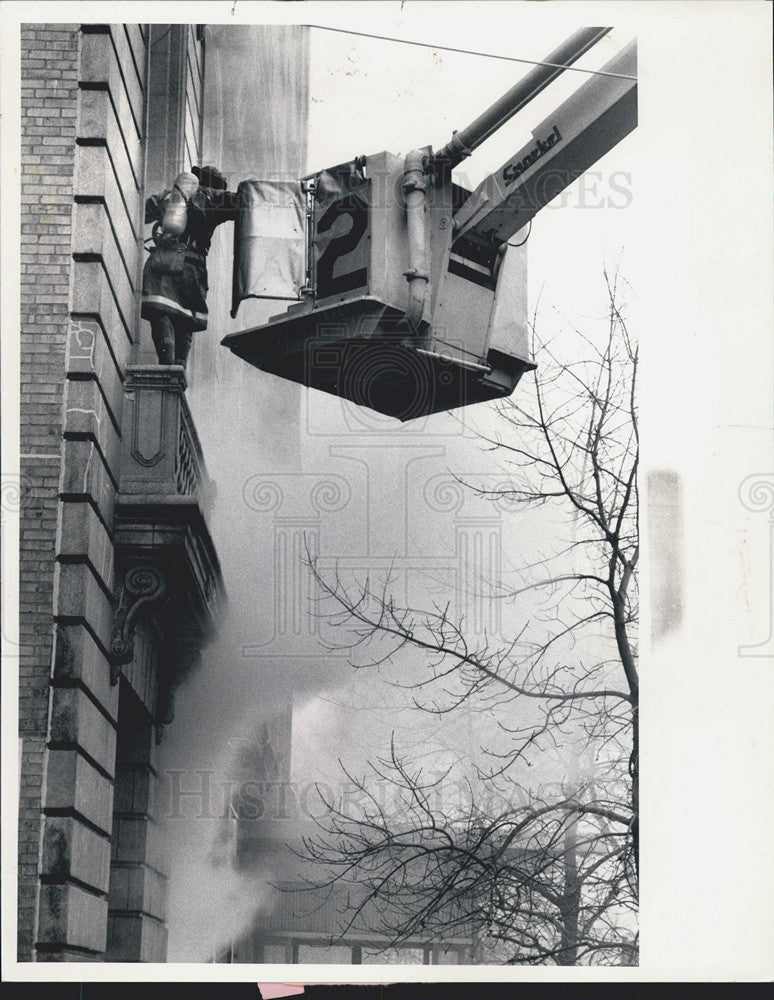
{"points": [[119, 579]]}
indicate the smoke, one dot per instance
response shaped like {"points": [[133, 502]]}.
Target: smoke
{"points": [[211, 901]]}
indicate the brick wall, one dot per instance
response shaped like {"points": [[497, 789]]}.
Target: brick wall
{"points": [[83, 109], [49, 67], [83, 164]]}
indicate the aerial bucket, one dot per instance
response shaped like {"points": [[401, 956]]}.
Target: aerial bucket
{"points": [[354, 336], [414, 299]]}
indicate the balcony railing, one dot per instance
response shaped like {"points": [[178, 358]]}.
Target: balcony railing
{"points": [[161, 454], [189, 463], [166, 564]]}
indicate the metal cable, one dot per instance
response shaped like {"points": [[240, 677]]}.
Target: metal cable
{"points": [[469, 52]]}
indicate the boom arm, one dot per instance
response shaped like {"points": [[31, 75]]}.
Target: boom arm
{"points": [[463, 143], [593, 120]]}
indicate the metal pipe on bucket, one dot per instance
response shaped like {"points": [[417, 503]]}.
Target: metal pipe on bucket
{"points": [[464, 142], [418, 276]]}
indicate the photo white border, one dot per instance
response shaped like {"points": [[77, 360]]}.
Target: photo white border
{"points": [[682, 942]]}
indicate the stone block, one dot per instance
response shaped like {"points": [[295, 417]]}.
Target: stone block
{"points": [[137, 887], [63, 955], [134, 75], [89, 354], [97, 120], [85, 474], [94, 234], [124, 938], [138, 840], [99, 64], [135, 792], [70, 916], [96, 177], [80, 597], [130, 839], [138, 747], [78, 657], [72, 783], [76, 720], [73, 850], [86, 413], [141, 674], [135, 34], [92, 294], [82, 534], [135, 938]]}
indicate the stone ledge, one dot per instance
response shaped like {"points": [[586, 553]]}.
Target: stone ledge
{"points": [[173, 529], [64, 955]]}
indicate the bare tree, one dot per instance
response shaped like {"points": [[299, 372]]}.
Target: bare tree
{"points": [[531, 875]]}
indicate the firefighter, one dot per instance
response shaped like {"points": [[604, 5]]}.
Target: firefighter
{"points": [[174, 279]]}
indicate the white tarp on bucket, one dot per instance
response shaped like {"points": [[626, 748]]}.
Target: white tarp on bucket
{"points": [[508, 325], [269, 241]]}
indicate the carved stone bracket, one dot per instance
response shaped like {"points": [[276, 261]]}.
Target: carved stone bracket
{"points": [[178, 659], [143, 589]]}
